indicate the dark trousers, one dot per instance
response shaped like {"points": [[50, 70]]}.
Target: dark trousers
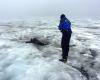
{"points": [[66, 35]]}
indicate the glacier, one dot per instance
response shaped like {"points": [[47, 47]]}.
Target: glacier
{"points": [[27, 61]]}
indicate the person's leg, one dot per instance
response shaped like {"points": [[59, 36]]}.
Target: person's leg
{"points": [[65, 45]]}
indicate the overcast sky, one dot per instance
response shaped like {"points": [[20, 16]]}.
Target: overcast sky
{"points": [[31, 8]]}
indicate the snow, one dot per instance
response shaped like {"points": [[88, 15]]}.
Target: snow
{"points": [[26, 61]]}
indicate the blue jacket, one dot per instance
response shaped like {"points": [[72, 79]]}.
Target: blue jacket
{"points": [[66, 25]]}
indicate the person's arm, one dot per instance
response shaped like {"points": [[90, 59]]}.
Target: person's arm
{"points": [[60, 26]]}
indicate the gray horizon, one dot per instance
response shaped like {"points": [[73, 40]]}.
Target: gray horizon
{"points": [[30, 8]]}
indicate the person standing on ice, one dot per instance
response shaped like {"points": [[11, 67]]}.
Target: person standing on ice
{"points": [[65, 28]]}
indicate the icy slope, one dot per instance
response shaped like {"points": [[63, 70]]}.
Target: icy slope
{"points": [[24, 61], [19, 61]]}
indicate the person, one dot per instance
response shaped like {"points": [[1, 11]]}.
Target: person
{"points": [[65, 28]]}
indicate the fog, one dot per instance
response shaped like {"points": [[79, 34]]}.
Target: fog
{"points": [[31, 8]]}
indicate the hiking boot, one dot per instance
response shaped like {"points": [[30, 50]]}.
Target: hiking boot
{"points": [[63, 60]]}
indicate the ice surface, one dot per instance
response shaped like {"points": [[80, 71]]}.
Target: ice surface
{"points": [[26, 61]]}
